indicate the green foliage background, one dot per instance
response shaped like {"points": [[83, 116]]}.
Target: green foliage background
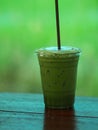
{"points": [[28, 25]]}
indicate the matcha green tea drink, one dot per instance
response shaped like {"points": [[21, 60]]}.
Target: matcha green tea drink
{"points": [[58, 73]]}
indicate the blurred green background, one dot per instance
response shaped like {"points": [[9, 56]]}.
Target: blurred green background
{"points": [[28, 25]]}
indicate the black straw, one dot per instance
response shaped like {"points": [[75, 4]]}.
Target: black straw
{"points": [[57, 24]]}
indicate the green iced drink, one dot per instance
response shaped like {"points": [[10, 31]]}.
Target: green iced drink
{"points": [[58, 73]]}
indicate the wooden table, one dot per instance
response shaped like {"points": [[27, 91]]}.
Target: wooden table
{"points": [[27, 112]]}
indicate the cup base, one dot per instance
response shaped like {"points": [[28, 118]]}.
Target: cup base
{"points": [[59, 101], [53, 107]]}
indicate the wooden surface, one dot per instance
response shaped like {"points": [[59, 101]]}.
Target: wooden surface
{"points": [[27, 112]]}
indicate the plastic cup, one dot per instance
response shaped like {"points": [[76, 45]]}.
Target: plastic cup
{"points": [[58, 70]]}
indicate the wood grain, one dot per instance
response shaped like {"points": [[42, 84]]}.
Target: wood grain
{"points": [[27, 112]]}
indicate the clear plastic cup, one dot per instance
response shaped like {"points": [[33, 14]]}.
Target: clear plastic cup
{"points": [[58, 75]]}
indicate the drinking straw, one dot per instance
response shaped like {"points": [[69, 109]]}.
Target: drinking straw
{"points": [[57, 24]]}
